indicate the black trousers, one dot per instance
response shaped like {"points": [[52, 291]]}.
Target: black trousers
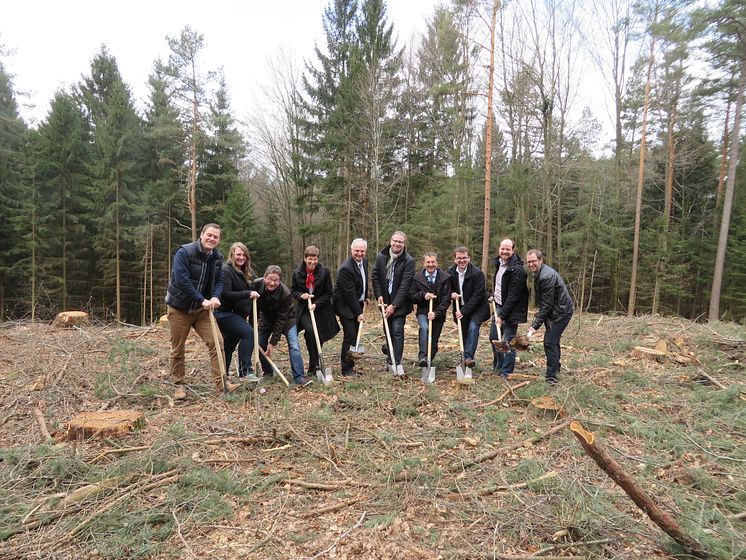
{"points": [[349, 337]]}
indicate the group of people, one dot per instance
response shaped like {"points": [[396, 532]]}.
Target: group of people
{"points": [[202, 284]]}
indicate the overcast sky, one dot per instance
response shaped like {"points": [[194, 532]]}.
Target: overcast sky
{"points": [[53, 41]]}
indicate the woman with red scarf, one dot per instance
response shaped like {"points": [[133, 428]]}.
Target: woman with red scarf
{"points": [[313, 279]]}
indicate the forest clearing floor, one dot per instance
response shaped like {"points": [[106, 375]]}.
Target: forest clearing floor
{"points": [[374, 467]]}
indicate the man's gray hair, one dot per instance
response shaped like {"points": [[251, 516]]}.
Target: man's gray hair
{"points": [[358, 241]]}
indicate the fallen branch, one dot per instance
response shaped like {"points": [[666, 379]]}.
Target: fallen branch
{"points": [[118, 450], [330, 508], [508, 487], [736, 516], [314, 485], [464, 463], [42, 423], [498, 556], [663, 519], [704, 375], [505, 394]]}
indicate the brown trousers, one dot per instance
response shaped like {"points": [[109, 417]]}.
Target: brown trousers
{"points": [[180, 323]]}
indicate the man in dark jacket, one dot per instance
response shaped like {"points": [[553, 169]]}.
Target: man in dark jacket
{"points": [[392, 279], [350, 293], [511, 304], [554, 309], [194, 290], [276, 318], [312, 282], [468, 286], [431, 283]]}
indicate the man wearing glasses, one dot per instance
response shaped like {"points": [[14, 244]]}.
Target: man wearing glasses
{"points": [[554, 309]]}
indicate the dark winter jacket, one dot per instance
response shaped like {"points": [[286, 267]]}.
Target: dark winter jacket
{"points": [[474, 305], [349, 288], [236, 292], [553, 301], [275, 311], [326, 322], [195, 277], [441, 288], [513, 290], [403, 275]]}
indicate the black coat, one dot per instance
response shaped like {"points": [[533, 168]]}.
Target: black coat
{"points": [[514, 291], [236, 290], [553, 301], [348, 289], [275, 311], [326, 322], [441, 288], [475, 306], [403, 274]]}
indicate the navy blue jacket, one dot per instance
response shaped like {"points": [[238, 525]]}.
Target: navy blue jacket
{"points": [[195, 277]]}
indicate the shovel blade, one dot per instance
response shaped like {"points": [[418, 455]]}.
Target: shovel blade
{"points": [[320, 376], [431, 375], [328, 377], [467, 373], [356, 352], [425, 374], [459, 373]]}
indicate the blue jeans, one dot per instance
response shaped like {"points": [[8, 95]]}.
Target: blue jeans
{"points": [[437, 328], [470, 332], [236, 332], [396, 328], [296, 358], [552, 345], [503, 362]]}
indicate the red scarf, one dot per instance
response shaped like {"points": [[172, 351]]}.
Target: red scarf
{"points": [[309, 282]]}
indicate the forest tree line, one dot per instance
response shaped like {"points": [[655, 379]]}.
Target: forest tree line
{"points": [[369, 135]]}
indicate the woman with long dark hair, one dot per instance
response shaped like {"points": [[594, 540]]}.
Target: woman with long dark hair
{"points": [[235, 309]]}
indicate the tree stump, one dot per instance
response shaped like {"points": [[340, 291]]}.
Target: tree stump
{"points": [[549, 407], [649, 354], [70, 318], [113, 423]]}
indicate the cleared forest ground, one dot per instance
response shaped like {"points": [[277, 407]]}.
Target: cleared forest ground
{"points": [[374, 467]]}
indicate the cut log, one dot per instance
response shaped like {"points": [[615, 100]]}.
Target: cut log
{"points": [[70, 318], [111, 424], [649, 354], [662, 346], [608, 464]]}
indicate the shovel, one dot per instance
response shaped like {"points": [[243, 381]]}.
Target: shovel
{"points": [[274, 367], [463, 373], [499, 344], [324, 374], [357, 351], [392, 367], [258, 371], [219, 349], [428, 372]]}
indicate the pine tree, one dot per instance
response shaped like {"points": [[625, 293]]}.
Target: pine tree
{"points": [[12, 130], [115, 193]]}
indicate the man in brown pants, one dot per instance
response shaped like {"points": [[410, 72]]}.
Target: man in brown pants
{"points": [[194, 290]]}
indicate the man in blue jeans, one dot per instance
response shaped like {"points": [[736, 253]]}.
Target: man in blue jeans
{"points": [[276, 318], [510, 296], [468, 286], [554, 310]]}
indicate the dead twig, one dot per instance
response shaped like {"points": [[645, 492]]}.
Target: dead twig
{"points": [[505, 394], [464, 463], [331, 547], [508, 487], [330, 508]]}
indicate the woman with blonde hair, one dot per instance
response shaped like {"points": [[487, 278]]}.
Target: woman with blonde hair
{"points": [[235, 309]]}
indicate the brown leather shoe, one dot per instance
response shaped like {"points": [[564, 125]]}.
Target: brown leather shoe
{"points": [[229, 386], [180, 393]]}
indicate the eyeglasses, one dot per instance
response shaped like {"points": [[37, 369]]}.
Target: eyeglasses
{"points": [[531, 262]]}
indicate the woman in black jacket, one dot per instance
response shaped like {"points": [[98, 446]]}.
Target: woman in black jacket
{"points": [[313, 279], [235, 308]]}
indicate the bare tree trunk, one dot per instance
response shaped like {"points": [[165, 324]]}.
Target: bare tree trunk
{"points": [[724, 153], [717, 279], [117, 259], [488, 144], [641, 175]]}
